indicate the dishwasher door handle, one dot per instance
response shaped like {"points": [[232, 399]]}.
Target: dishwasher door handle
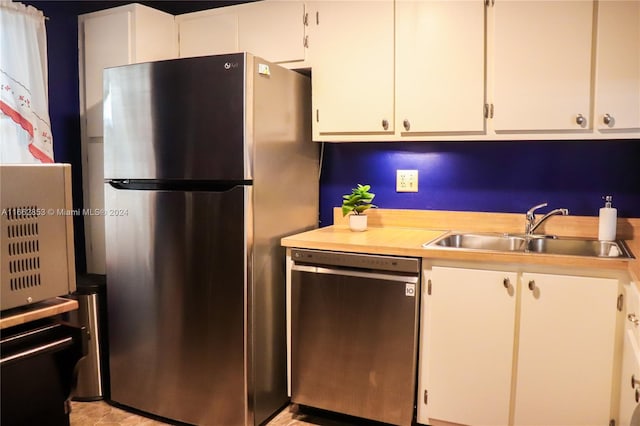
{"points": [[355, 273]]}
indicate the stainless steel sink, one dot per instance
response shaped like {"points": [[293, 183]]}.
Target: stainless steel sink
{"points": [[579, 247], [532, 244], [492, 242]]}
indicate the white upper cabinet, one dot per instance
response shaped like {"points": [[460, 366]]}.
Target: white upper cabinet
{"points": [[119, 36], [470, 69], [440, 66], [108, 36], [618, 67], [272, 29], [207, 33], [542, 53], [566, 352], [352, 50]]}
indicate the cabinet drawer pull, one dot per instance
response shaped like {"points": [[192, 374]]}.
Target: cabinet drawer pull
{"points": [[634, 319], [532, 285]]}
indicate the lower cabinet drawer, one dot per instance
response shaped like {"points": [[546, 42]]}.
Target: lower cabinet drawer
{"points": [[37, 363]]}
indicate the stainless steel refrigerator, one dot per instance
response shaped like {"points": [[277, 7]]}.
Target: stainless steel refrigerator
{"points": [[208, 163]]}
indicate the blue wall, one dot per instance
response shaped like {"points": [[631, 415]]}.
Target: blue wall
{"points": [[505, 176]]}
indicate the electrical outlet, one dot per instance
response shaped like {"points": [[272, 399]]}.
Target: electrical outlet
{"points": [[406, 181]]}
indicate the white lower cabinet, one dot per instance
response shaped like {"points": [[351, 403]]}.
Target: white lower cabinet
{"points": [[467, 337], [630, 372], [517, 348], [566, 350]]}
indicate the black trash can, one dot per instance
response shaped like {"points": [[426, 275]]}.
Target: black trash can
{"points": [[92, 369]]}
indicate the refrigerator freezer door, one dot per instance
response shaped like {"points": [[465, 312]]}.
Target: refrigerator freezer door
{"points": [[176, 119], [176, 271]]}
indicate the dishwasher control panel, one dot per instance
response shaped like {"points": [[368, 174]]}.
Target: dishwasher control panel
{"points": [[356, 260]]}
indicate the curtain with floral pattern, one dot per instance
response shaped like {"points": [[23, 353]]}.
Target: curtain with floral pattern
{"points": [[25, 128]]}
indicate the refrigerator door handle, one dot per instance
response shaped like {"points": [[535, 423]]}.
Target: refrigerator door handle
{"points": [[118, 183], [177, 185]]}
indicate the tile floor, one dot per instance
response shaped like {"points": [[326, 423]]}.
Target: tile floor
{"points": [[101, 413]]}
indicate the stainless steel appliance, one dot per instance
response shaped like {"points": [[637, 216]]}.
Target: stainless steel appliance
{"points": [[37, 260], [208, 163], [38, 368], [92, 370], [354, 331]]}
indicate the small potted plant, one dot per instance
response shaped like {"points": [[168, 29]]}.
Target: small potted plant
{"points": [[355, 204]]}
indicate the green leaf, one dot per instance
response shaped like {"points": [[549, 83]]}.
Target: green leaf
{"points": [[346, 210], [358, 201]]}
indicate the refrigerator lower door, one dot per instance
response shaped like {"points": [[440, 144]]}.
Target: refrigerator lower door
{"points": [[176, 279]]}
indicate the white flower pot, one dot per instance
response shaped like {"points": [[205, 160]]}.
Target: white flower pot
{"points": [[358, 222]]}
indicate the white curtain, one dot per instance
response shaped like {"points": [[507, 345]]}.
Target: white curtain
{"points": [[25, 128]]}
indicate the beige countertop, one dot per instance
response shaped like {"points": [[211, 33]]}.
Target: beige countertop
{"points": [[394, 241], [46, 308], [403, 232]]}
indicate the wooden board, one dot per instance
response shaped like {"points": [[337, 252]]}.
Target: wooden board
{"points": [[46, 308]]}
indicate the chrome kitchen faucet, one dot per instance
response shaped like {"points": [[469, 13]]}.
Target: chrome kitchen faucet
{"points": [[531, 225]]}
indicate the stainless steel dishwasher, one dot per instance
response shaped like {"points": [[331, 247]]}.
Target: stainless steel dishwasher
{"points": [[354, 330]]}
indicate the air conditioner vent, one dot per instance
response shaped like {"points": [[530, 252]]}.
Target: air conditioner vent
{"points": [[23, 262]]}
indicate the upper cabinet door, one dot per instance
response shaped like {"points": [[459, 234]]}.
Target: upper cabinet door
{"points": [[273, 30], [351, 46], [618, 66], [440, 66], [107, 41], [119, 36], [542, 65], [204, 34]]}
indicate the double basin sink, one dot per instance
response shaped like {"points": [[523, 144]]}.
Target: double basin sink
{"points": [[542, 244]]}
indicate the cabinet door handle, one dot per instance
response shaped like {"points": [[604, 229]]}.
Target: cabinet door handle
{"points": [[406, 124], [580, 120], [385, 123], [506, 283], [637, 395], [532, 285], [634, 319], [607, 119], [634, 382]]}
